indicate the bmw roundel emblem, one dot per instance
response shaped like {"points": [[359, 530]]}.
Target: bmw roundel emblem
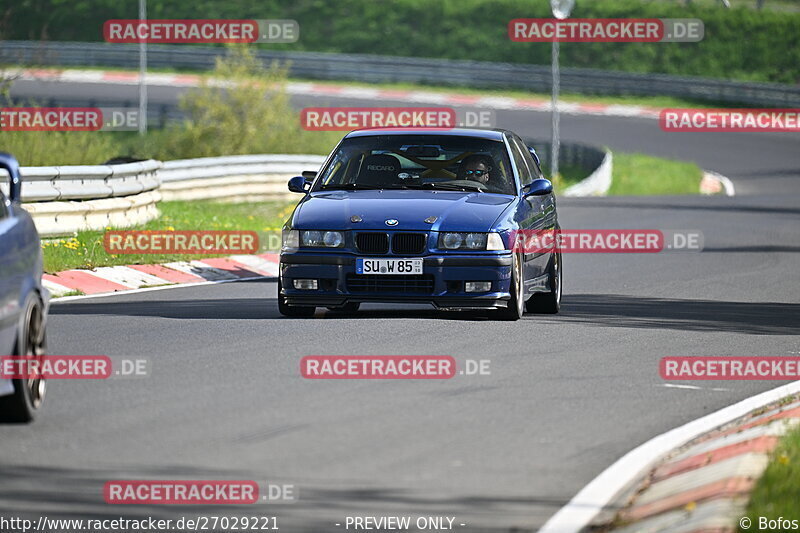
{"points": [[391, 221]]}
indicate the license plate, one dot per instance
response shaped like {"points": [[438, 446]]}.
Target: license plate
{"points": [[388, 267]]}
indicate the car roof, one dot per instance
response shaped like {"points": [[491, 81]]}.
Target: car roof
{"points": [[493, 134]]}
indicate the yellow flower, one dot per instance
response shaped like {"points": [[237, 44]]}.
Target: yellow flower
{"points": [[783, 459], [691, 506], [170, 228]]}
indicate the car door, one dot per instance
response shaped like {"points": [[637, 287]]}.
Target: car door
{"points": [[10, 282], [534, 213]]}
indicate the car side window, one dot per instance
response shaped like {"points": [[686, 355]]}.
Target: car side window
{"points": [[3, 208], [526, 173], [536, 170]]}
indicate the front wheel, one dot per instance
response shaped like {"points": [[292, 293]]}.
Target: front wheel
{"points": [[549, 302], [292, 311], [516, 305], [31, 342]]}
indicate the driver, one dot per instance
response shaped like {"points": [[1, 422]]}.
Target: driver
{"points": [[475, 167]]}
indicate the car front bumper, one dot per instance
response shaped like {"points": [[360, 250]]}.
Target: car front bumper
{"points": [[442, 283]]}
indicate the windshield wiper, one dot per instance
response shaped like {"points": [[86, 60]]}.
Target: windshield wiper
{"points": [[452, 187]]}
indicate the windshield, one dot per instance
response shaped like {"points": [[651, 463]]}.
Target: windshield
{"points": [[419, 162]]}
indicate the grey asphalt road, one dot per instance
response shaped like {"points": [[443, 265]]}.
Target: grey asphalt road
{"points": [[567, 395]]}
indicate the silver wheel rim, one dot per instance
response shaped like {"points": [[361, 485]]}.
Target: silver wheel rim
{"points": [[34, 346], [520, 289], [558, 278]]}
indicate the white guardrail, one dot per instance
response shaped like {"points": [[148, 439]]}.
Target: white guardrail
{"points": [[234, 178], [67, 199], [597, 183]]}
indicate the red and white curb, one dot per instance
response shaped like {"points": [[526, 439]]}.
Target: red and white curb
{"points": [[347, 91], [687, 468], [706, 485], [112, 279]]}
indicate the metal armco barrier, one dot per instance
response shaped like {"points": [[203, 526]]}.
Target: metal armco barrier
{"points": [[67, 199], [369, 68], [593, 162], [45, 184], [235, 178]]}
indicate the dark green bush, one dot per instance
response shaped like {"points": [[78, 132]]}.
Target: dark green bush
{"points": [[740, 43]]}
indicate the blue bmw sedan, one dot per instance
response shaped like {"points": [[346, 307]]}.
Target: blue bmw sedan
{"points": [[421, 216]]}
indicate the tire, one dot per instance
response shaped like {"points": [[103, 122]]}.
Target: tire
{"points": [[549, 302], [31, 341], [350, 308], [292, 311], [516, 305]]}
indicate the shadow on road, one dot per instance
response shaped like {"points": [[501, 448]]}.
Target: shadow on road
{"points": [[600, 309], [692, 204], [685, 315], [29, 492], [220, 308]]}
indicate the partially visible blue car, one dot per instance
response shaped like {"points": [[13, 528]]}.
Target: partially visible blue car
{"points": [[421, 216], [23, 299]]}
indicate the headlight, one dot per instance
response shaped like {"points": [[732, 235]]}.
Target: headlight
{"points": [[471, 241], [324, 239], [475, 241], [290, 239], [452, 241], [332, 239]]}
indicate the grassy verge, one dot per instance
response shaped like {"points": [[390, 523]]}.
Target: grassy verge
{"points": [[640, 174], [85, 250], [776, 493]]}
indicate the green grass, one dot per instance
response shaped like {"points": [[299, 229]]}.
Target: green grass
{"points": [[640, 174], [85, 250], [76, 292], [775, 494]]}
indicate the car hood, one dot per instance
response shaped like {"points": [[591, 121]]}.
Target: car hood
{"points": [[454, 210]]}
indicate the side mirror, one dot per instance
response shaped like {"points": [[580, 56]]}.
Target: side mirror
{"points": [[298, 184], [538, 187], [8, 162], [309, 174], [534, 155]]}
